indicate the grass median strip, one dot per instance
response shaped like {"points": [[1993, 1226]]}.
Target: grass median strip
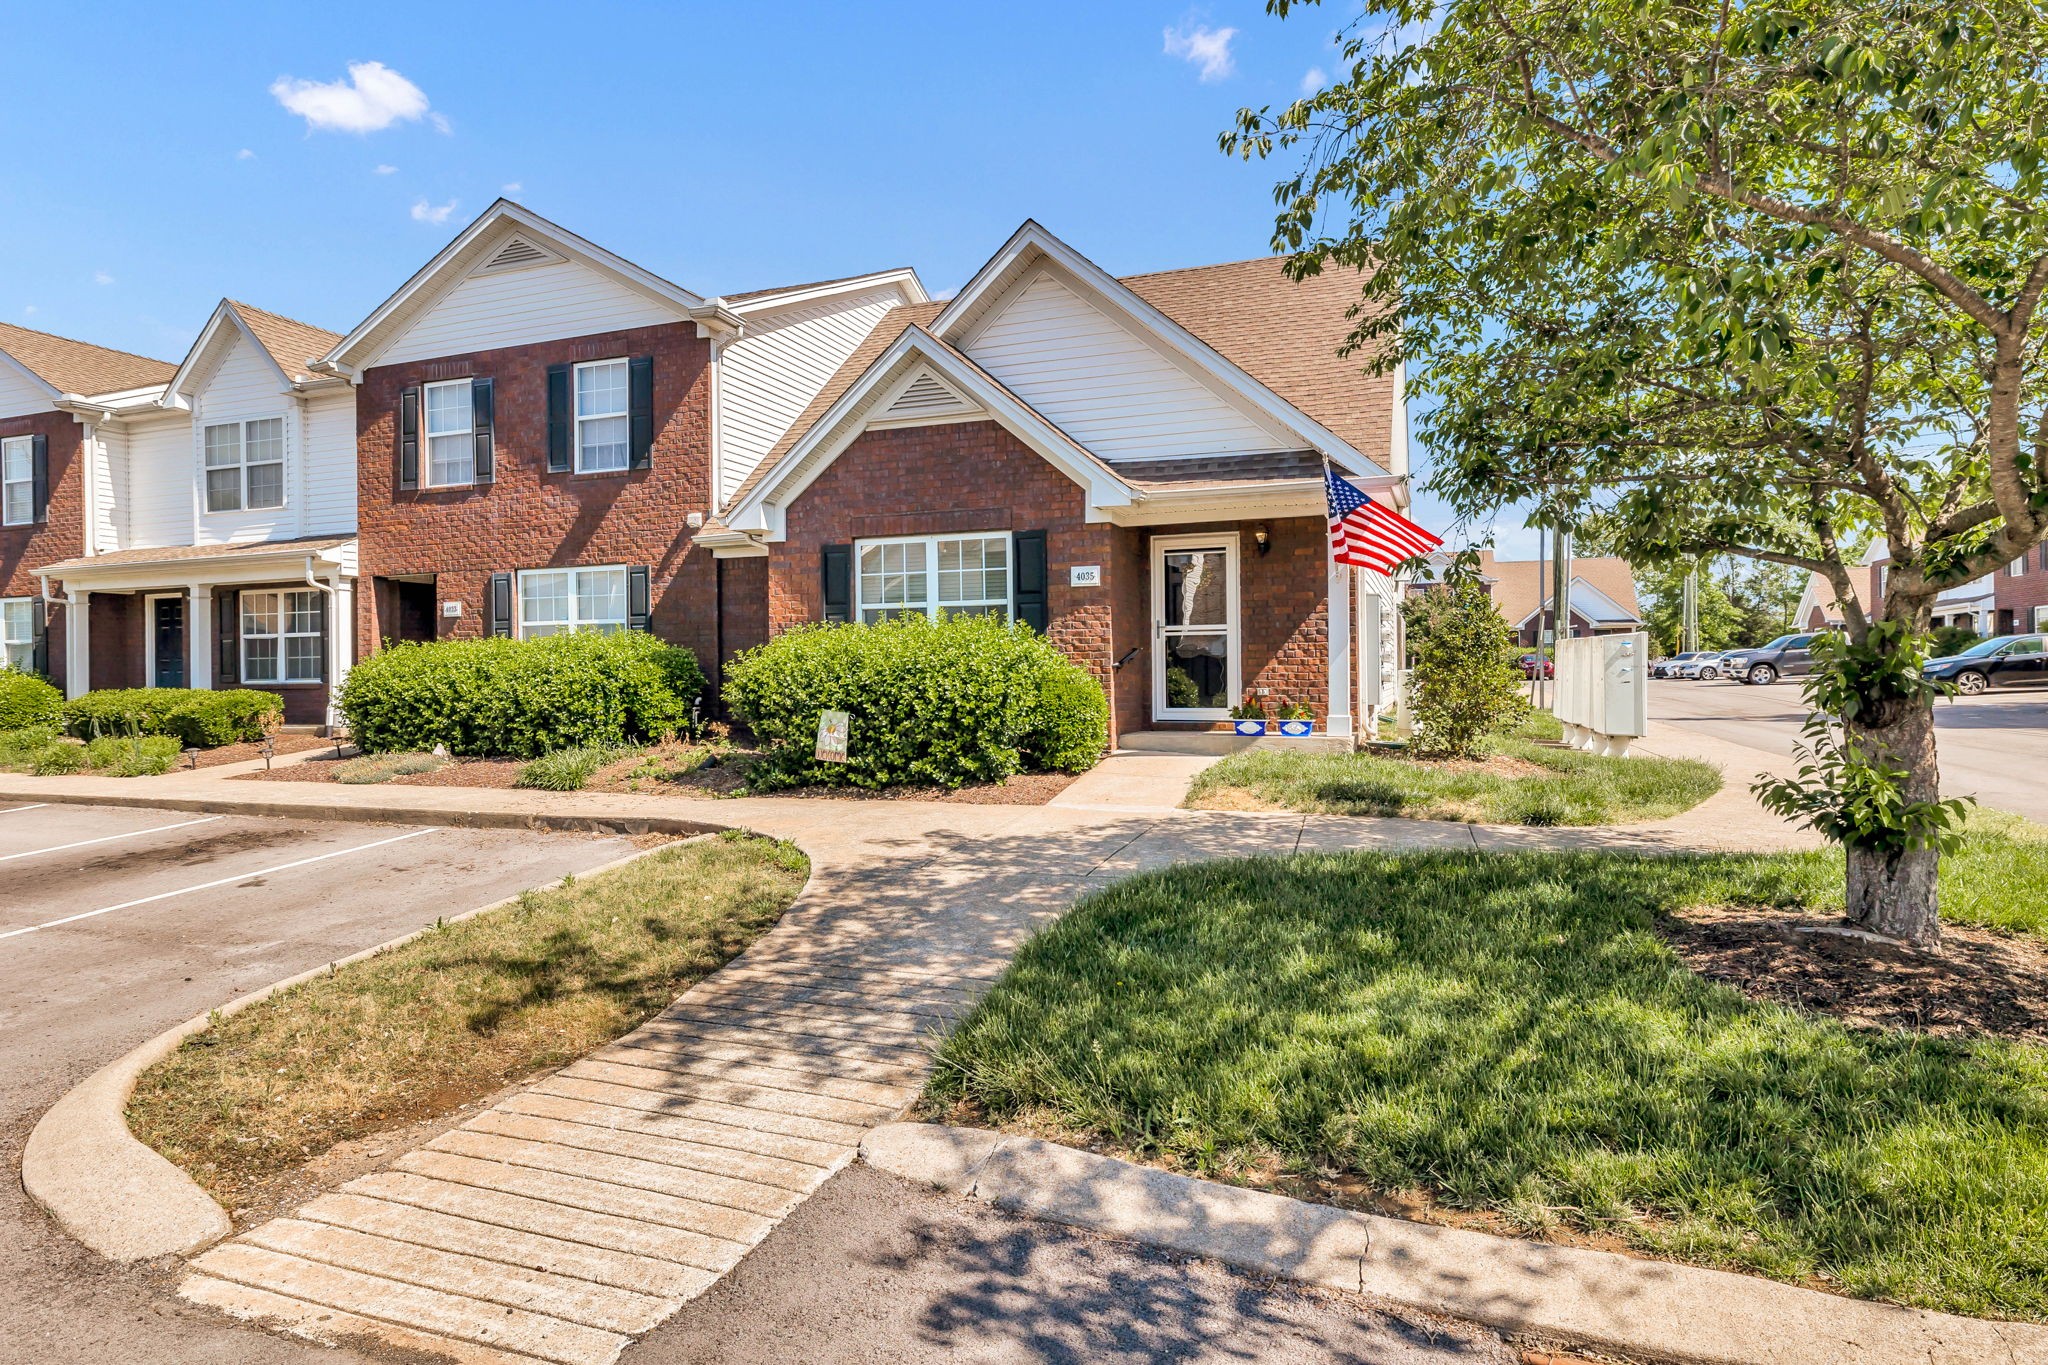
{"points": [[1520, 781], [459, 1012], [1507, 1040]]}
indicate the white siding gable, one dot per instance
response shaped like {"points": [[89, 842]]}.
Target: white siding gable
{"points": [[19, 395], [245, 386], [771, 373], [1103, 384], [517, 307]]}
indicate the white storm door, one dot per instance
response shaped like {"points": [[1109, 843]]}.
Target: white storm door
{"points": [[1194, 627]]}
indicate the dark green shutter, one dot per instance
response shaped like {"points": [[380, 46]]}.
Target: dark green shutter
{"points": [[639, 600], [483, 410], [836, 566], [499, 618], [640, 406], [39, 465], [1029, 548], [558, 419], [227, 618], [39, 655], [409, 438]]}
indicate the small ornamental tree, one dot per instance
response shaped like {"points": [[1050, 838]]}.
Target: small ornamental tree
{"points": [[1699, 278], [1464, 683]]}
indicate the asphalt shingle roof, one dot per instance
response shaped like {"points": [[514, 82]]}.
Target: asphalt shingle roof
{"points": [[79, 366]]}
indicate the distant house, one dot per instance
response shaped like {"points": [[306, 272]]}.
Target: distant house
{"points": [[1603, 598], [2009, 601]]}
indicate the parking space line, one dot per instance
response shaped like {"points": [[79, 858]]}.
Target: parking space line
{"points": [[221, 881], [40, 805], [108, 838]]}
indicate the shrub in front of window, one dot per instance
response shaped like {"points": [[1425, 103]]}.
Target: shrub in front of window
{"points": [[198, 718], [27, 700], [941, 703], [521, 698]]}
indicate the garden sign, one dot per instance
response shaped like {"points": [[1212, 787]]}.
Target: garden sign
{"points": [[832, 728]]}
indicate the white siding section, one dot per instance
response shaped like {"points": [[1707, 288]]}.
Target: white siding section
{"points": [[160, 488], [1102, 384], [19, 396], [516, 307], [330, 465], [245, 386], [110, 487], [770, 375]]}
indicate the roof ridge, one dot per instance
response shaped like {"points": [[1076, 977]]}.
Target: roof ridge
{"points": [[281, 317], [76, 341], [1189, 269]]}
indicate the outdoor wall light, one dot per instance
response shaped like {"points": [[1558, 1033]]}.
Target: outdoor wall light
{"points": [[1262, 538]]}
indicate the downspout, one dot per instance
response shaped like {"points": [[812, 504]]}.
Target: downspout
{"points": [[333, 630]]}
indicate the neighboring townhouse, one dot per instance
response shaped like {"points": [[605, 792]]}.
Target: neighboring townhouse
{"points": [[1134, 466], [226, 555], [2020, 594], [541, 425], [60, 471], [1603, 595]]}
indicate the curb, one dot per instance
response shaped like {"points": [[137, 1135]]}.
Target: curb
{"points": [[1557, 1295], [384, 815], [118, 1195]]}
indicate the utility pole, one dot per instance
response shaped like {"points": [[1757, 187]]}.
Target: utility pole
{"points": [[1538, 694], [1689, 613]]}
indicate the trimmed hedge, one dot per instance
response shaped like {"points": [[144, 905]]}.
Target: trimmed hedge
{"points": [[26, 700], [198, 718], [964, 699], [521, 698]]}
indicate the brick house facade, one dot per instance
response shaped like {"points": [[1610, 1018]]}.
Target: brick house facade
{"points": [[59, 534]]}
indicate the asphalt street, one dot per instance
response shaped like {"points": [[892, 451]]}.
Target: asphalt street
{"points": [[1993, 747]]}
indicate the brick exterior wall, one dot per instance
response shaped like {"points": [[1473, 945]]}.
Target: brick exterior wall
{"points": [[24, 549], [528, 518], [977, 476], [2022, 595]]}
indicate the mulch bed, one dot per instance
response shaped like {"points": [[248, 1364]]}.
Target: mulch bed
{"points": [[460, 772], [1980, 983], [243, 753]]}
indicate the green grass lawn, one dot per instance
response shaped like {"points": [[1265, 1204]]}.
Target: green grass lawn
{"points": [[1508, 1035], [1522, 782]]}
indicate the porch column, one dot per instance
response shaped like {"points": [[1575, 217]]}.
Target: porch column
{"points": [[1369, 609], [199, 649], [341, 639], [78, 644], [1339, 634]]}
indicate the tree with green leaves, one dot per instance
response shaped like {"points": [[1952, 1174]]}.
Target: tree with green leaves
{"points": [[1663, 589], [1727, 278]]}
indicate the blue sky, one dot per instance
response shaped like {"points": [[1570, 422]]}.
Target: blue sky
{"points": [[308, 161]]}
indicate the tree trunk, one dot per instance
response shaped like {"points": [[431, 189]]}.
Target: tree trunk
{"points": [[1895, 893]]}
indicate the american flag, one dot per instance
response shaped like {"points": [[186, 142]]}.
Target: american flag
{"points": [[1368, 536]]}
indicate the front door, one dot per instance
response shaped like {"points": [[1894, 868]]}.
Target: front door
{"points": [[1194, 627], [167, 637]]}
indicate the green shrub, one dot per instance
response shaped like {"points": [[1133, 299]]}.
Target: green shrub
{"points": [[373, 768], [137, 756], [27, 700], [566, 770], [18, 747], [521, 698], [198, 718], [1466, 681], [56, 757], [964, 699]]}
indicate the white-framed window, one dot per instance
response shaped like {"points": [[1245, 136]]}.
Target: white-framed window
{"points": [[451, 433], [2041, 618], [555, 601], [281, 636], [2017, 569], [933, 574], [604, 427], [18, 633], [245, 465], [17, 481]]}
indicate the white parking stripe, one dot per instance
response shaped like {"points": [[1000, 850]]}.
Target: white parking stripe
{"points": [[220, 881], [40, 805], [108, 838]]}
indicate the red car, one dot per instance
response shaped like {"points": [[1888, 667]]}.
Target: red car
{"points": [[1531, 662]]}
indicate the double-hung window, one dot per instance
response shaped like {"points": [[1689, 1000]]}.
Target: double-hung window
{"points": [[556, 601], [281, 636], [2017, 569], [18, 481], [245, 465], [18, 633], [451, 434], [934, 575], [603, 419]]}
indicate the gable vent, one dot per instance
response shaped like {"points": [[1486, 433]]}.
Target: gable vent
{"points": [[516, 253], [927, 397]]}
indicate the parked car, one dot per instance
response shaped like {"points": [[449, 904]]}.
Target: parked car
{"points": [[2002, 661], [1668, 668], [1788, 656], [1530, 663], [1702, 667]]}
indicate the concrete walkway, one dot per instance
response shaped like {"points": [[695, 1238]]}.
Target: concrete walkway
{"points": [[588, 1207]]}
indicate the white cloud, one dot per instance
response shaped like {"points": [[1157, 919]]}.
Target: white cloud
{"points": [[387, 170], [440, 122], [1313, 80], [29, 311], [245, 155], [1208, 48], [510, 187], [102, 277], [373, 97], [423, 212]]}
